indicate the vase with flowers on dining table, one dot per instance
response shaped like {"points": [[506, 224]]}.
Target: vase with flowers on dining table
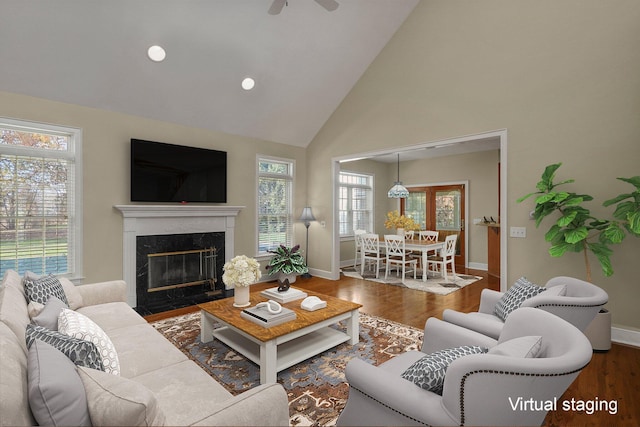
{"points": [[401, 223], [240, 273]]}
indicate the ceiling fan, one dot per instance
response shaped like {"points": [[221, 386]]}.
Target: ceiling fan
{"points": [[278, 5]]}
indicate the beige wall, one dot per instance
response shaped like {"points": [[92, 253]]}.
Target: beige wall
{"points": [[562, 77], [479, 169], [106, 137]]}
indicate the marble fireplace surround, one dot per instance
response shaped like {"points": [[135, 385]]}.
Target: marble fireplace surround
{"points": [[150, 220]]}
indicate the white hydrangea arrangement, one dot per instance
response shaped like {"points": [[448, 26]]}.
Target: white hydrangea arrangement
{"points": [[241, 271]]}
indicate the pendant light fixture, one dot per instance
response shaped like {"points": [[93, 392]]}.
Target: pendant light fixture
{"points": [[398, 191]]}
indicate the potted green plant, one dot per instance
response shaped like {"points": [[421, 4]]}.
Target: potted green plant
{"points": [[288, 262], [576, 229]]}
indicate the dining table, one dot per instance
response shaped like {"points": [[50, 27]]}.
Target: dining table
{"points": [[424, 247]]}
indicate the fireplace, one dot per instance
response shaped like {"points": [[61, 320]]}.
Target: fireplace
{"points": [[178, 270], [186, 247]]}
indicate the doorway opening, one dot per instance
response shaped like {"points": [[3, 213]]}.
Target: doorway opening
{"points": [[452, 146]]}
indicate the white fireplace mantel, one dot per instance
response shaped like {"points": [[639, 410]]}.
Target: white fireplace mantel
{"points": [[151, 220], [168, 211]]}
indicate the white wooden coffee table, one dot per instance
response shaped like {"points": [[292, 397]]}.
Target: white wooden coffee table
{"points": [[279, 347]]}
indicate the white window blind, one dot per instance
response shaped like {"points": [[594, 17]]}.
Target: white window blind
{"points": [[275, 205], [355, 203], [39, 213]]}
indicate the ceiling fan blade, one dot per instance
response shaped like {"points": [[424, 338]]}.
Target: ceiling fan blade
{"points": [[276, 7], [330, 5]]}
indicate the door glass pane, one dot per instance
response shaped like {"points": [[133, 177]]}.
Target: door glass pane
{"points": [[448, 210], [415, 207]]}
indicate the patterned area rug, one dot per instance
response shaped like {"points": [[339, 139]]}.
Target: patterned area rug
{"points": [[437, 285], [316, 388]]}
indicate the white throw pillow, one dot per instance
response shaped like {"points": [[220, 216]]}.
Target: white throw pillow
{"points": [[555, 291], [73, 295], [79, 326], [527, 346]]}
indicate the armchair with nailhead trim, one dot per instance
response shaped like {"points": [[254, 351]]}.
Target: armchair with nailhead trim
{"points": [[578, 304], [502, 387]]}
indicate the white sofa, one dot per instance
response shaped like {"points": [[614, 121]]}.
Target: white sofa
{"points": [[185, 393]]}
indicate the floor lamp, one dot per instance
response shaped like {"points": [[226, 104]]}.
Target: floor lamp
{"points": [[307, 217]]}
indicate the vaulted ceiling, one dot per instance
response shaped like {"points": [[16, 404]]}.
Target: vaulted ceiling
{"points": [[304, 60]]}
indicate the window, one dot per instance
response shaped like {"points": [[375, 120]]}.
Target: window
{"points": [[40, 209], [275, 204], [355, 203]]}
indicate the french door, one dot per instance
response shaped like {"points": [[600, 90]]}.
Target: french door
{"points": [[439, 208]]}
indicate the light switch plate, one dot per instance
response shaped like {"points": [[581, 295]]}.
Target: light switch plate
{"points": [[520, 232]]}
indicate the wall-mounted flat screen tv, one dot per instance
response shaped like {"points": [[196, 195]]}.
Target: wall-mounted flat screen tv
{"points": [[175, 173]]}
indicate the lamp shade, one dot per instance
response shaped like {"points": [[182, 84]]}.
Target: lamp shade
{"points": [[398, 191], [307, 215]]}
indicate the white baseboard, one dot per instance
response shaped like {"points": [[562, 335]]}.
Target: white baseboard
{"points": [[346, 263], [478, 266], [321, 273], [625, 336]]}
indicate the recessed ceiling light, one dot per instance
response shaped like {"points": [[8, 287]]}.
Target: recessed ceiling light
{"points": [[248, 83], [156, 53]]}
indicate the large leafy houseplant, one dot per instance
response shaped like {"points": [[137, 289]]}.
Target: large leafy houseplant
{"points": [[287, 261], [576, 229]]}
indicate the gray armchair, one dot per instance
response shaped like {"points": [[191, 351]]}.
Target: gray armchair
{"points": [[479, 389], [578, 306]]}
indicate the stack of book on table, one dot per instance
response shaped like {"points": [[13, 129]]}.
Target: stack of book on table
{"points": [[262, 317], [289, 295]]}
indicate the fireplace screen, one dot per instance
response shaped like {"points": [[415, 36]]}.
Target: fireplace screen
{"points": [[177, 270], [169, 270]]}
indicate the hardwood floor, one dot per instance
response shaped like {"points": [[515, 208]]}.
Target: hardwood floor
{"points": [[611, 376]]}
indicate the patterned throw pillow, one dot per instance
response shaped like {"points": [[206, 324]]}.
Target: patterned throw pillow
{"points": [[515, 296], [428, 372], [40, 289], [82, 353], [79, 326]]}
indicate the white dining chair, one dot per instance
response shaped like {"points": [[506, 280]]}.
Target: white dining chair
{"points": [[357, 234], [446, 257], [428, 236], [396, 254], [370, 251]]}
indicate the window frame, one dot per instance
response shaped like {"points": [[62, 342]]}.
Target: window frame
{"points": [[290, 238], [350, 187], [73, 155]]}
